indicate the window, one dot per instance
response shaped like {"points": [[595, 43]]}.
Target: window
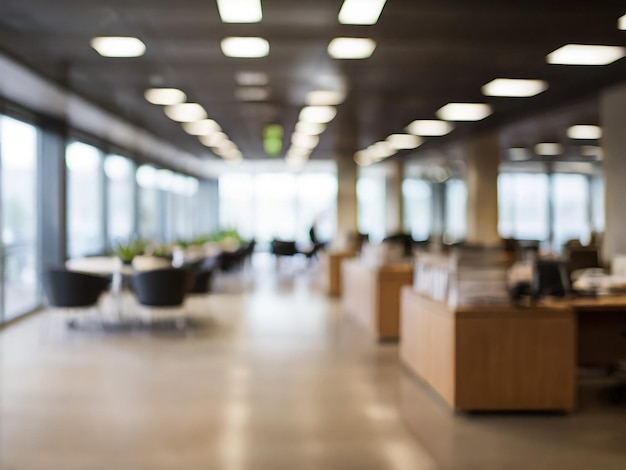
{"points": [[571, 220], [371, 201], [149, 203], [120, 173], [85, 200], [523, 206], [417, 217], [20, 286]]}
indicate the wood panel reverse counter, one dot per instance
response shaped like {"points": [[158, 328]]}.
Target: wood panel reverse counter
{"points": [[371, 295], [490, 357]]}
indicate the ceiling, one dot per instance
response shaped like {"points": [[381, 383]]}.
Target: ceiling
{"points": [[429, 53]]}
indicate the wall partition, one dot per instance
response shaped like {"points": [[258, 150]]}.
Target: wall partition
{"points": [[21, 290]]}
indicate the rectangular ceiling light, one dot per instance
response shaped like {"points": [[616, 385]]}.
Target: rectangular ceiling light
{"points": [[582, 54], [165, 96], [621, 23], [325, 98], [548, 148], [252, 93], [317, 114], [404, 141], [185, 112], [203, 127], [310, 128], [584, 132], [429, 127], [245, 47], [351, 48], [240, 11], [115, 46], [361, 11], [464, 112], [514, 87]]}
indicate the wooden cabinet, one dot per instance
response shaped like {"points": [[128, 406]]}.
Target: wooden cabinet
{"points": [[371, 295], [491, 357], [330, 271]]}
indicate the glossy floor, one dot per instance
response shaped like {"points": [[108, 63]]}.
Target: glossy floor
{"points": [[270, 376]]}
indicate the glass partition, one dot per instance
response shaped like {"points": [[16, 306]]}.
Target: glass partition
{"points": [[120, 174]]}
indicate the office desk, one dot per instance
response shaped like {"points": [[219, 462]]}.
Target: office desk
{"points": [[601, 328], [371, 295], [330, 270]]}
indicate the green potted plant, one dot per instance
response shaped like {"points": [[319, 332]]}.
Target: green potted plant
{"points": [[127, 250]]}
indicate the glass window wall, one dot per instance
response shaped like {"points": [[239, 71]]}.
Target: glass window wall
{"points": [[120, 173], [418, 205]]}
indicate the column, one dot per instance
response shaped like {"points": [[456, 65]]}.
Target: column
{"points": [[393, 198], [346, 144], [482, 158], [613, 121]]}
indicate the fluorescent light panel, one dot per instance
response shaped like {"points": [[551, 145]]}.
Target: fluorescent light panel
{"points": [[429, 127], [240, 11], [325, 98], [214, 139], [404, 141], [583, 54], [165, 96], [381, 150], [351, 48], [203, 127], [621, 23], [245, 47], [317, 114], [584, 132], [185, 112], [116, 46], [361, 11], [464, 112], [514, 87], [548, 148], [304, 140], [517, 154], [310, 128]]}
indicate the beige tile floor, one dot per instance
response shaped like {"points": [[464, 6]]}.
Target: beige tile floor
{"points": [[272, 377]]}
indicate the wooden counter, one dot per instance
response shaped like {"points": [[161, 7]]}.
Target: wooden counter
{"points": [[371, 295], [491, 357], [330, 270]]}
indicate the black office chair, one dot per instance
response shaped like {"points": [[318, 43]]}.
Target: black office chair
{"points": [[73, 292], [203, 275], [551, 279], [161, 292]]}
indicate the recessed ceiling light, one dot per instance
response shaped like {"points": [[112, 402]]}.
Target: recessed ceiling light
{"points": [[464, 112], [351, 48], [325, 98], [514, 87], [404, 141], [621, 23], [115, 46], [251, 78], [304, 140], [204, 127], [584, 132], [249, 47], [548, 148], [185, 112], [317, 114], [253, 93], [363, 158], [214, 139], [310, 128], [381, 150], [592, 151], [361, 11], [517, 154], [582, 54], [240, 11], [165, 96], [429, 127], [298, 152]]}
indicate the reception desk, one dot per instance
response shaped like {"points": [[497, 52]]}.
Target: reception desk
{"points": [[487, 358], [371, 295]]}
